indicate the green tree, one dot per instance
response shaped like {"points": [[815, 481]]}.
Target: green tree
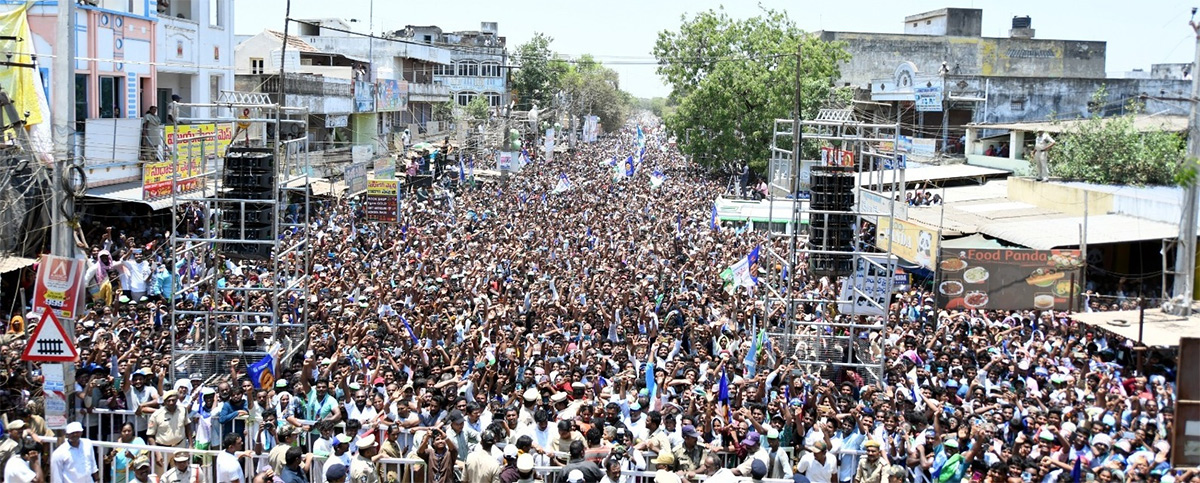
{"points": [[733, 77], [591, 88], [538, 76], [1112, 150], [478, 108]]}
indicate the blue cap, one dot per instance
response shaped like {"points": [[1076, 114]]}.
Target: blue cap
{"points": [[335, 471]]}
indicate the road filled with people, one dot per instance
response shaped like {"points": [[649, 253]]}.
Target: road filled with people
{"points": [[570, 323]]}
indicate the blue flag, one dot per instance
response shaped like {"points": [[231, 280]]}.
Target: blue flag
{"points": [[1077, 471], [629, 166], [641, 137], [712, 223], [751, 359], [651, 384], [462, 175], [262, 373], [409, 329]]}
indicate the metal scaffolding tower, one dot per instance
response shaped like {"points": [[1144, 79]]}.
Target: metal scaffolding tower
{"points": [[242, 321], [833, 325]]}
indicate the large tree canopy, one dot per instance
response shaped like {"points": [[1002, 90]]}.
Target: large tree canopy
{"points": [[537, 78], [591, 88], [733, 77], [1111, 150]]}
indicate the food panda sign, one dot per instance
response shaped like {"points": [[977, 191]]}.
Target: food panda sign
{"points": [[1009, 279]]}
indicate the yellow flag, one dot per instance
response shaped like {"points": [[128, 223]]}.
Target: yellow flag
{"points": [[20, 83]]}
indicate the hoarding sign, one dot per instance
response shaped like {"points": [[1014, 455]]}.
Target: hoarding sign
{"points": [[504, 160], [392, 95], [872, 202], [364, 96], [194, 144], [385, 168], [356, 178], [1009, 279], [929, 99], [383, 200], [909, 241]]}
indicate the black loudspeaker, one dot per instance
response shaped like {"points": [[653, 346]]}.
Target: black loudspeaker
{"points": [[832, 190], [249, 175]]}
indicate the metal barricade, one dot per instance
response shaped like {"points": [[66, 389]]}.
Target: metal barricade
{"points": [[115, 460], [109, 422]]}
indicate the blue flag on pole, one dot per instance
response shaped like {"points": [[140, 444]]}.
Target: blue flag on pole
{"points": [[723, 388], [751, 359], [262, 373], [712, 223], [408, 328], [1077, 471], [462, 174], [629, 166]]}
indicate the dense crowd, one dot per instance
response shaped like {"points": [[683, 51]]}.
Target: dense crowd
{"points": [[505, 332]]}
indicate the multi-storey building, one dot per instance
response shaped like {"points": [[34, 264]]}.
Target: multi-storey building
{"points": [[478, 61]]}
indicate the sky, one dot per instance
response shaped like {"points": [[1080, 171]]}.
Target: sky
{"points": [[624, 31]]}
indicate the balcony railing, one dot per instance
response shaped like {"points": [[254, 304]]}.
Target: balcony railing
{"points": [[302, 84]]}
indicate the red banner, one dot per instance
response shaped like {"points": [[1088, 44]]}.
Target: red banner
{"points": [[59, 285]]}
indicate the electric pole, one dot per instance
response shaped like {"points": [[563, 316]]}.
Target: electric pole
{"points": [[62, 118], [1185, 251]]}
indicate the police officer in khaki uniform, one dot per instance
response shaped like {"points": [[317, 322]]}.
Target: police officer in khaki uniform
{"points": [[362, 469]]}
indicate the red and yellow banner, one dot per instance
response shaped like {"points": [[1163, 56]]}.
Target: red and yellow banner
{"points": [[189, 147]]}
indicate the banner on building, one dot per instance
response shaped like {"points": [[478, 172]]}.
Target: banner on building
{"points": [[355, 176], [872, 202], [928, 99], [337, 120], [364, 96], [385, 167], [391, 95], [189, 147], [383, 200], [907, 240], [1007, 279]]}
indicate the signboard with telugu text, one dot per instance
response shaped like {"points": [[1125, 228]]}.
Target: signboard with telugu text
{"points": [[194, 144], [355, 176], [383, 200]]}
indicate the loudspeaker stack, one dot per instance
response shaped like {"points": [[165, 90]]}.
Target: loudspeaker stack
{"points": [[249, 175], [832, 190]]}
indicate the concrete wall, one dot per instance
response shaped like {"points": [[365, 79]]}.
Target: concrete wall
{"points": [[1059, 197], [1171, 71], [876, 55], [965, 22], [1018, 99]]}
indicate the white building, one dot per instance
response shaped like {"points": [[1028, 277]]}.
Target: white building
{"points": [[477, 64], [195, 51]]}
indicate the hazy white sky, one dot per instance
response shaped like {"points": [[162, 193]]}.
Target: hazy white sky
{"points": [[623, 31]]}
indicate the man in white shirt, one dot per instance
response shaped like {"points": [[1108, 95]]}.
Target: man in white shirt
{"points": [[75, 461], [229, 469], [817, 464], [25, 466], [778, 463]]}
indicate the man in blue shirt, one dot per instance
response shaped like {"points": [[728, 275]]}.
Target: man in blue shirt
{"points": [[234, 413]]}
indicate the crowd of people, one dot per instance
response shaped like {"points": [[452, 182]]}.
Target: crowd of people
{"points": [[571, 325]]}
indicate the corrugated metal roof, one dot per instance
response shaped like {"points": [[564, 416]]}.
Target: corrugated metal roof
{"points": [[8, 264], [132, 192], [1143, 123], [1047, 232], [295, 43], [1159, 329], [940, 173]]}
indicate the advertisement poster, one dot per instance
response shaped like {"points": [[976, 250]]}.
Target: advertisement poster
{"points": [[391, 95], [383, 200], [364, 96], [909, 241], [59, 285], [355, 175], [195, 144], [1009, 279], [836, 157], [385, 167]]}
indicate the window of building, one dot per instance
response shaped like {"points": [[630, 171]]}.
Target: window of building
{"points": [[465, 98], [110, 97], [468, 68], [489, 70], [493, 99], [1017, 105], [443, 69], [257, 65], [81, 99], [214, 87], [216, 13]]}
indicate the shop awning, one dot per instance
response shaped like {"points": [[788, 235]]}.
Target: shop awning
{"points": [[131, 192], [1044, 233], [8, 264], [1158, 330], [971, 241]]}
